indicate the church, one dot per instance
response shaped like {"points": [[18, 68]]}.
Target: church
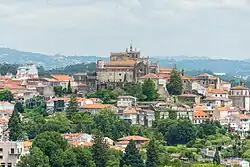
{"points": [[124, 67]]}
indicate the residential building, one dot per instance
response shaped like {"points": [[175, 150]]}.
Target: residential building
{"points": [[96, 108], [4, 133], [10, 153], [240, 122], [200, 117], [240, 97], [27, 71], [139, 140], [60, 80], [6, 108], [124, 102]]}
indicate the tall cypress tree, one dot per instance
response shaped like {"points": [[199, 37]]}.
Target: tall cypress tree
{"points": [[216, 158], [72, 107], [99, 151], [15, 127], [175, 86], [152, 158], [132, 156], [69, 88]]}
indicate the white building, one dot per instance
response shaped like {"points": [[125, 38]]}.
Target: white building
{"points": [[10, 153], [27, 71], [239, 122], [124, 102]]}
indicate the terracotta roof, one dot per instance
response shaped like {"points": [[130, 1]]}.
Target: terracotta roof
{"points": [[165, 69], [96, 106], [151, 76], [223, 108], [239, 88], [61, 77], [200, 114], [217, 91], [241, 116], [135, 138], [123, 142], [130, 111], [163, 75], [27, 143], [120, 63]]}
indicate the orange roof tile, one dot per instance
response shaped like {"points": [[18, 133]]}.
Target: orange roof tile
{"points": [[96, 106], [239, 88], [217, 91], [120, 63], [135, 138], [165, 69], [241, 116], [200, 114], [61, 77], [205, 75], [27, 143], [130, 111]]}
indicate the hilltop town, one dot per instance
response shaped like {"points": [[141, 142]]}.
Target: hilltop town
{"points": [[129, 112]]}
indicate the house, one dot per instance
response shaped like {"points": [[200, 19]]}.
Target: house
{"points": [[27, 146], [130, 115], [46, 91], [139, 140], [124, 102], [60, 80], [217, 93], [10, 152], [4, 133], [6, 108], [57, 104], [96, 108], [27, 71], [240, 122], [240, 97], [235, 161], [200, 117]]}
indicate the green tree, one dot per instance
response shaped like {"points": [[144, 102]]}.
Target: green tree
{"points": [[180, 133], [99, 151], [149, 90], [84, 121], [152, 157], [216, 158], [175, 86], [36, 158], [83, 156], [132, 156], [50, 143], [19, 107], [15, 127], [58, 91], [69, 88], [72, 108], [6, 95]]}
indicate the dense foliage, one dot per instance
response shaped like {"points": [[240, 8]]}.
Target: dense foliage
{"points": [[175, 86], [6, 95]]}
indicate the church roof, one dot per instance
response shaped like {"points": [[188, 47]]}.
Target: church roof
{"points": [[120, 63]]}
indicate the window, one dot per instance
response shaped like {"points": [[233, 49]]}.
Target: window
{"points": [[9, 165], [1, 149], [120, 80], [3, 164], [120, 74], [1, 157], [12, 150]]}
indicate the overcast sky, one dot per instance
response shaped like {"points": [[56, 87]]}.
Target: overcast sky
{"points": [[213, 28]]}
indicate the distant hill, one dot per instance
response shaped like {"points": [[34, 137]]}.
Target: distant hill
{"points": [[234, 67], [11, 56]]}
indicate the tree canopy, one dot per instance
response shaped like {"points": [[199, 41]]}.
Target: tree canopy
{"points": [[175, 86]]}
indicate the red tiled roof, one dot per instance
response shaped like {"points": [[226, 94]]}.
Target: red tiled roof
{"points": [[239, 88], [120, 63], [200, 114], [130, 111], [61, 77], [96, 106], [135, 138]]}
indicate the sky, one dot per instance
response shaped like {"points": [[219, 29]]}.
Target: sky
{"points": [[212, 28]]}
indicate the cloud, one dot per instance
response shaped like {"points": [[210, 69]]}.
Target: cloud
{"points": [[161, 27]]}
